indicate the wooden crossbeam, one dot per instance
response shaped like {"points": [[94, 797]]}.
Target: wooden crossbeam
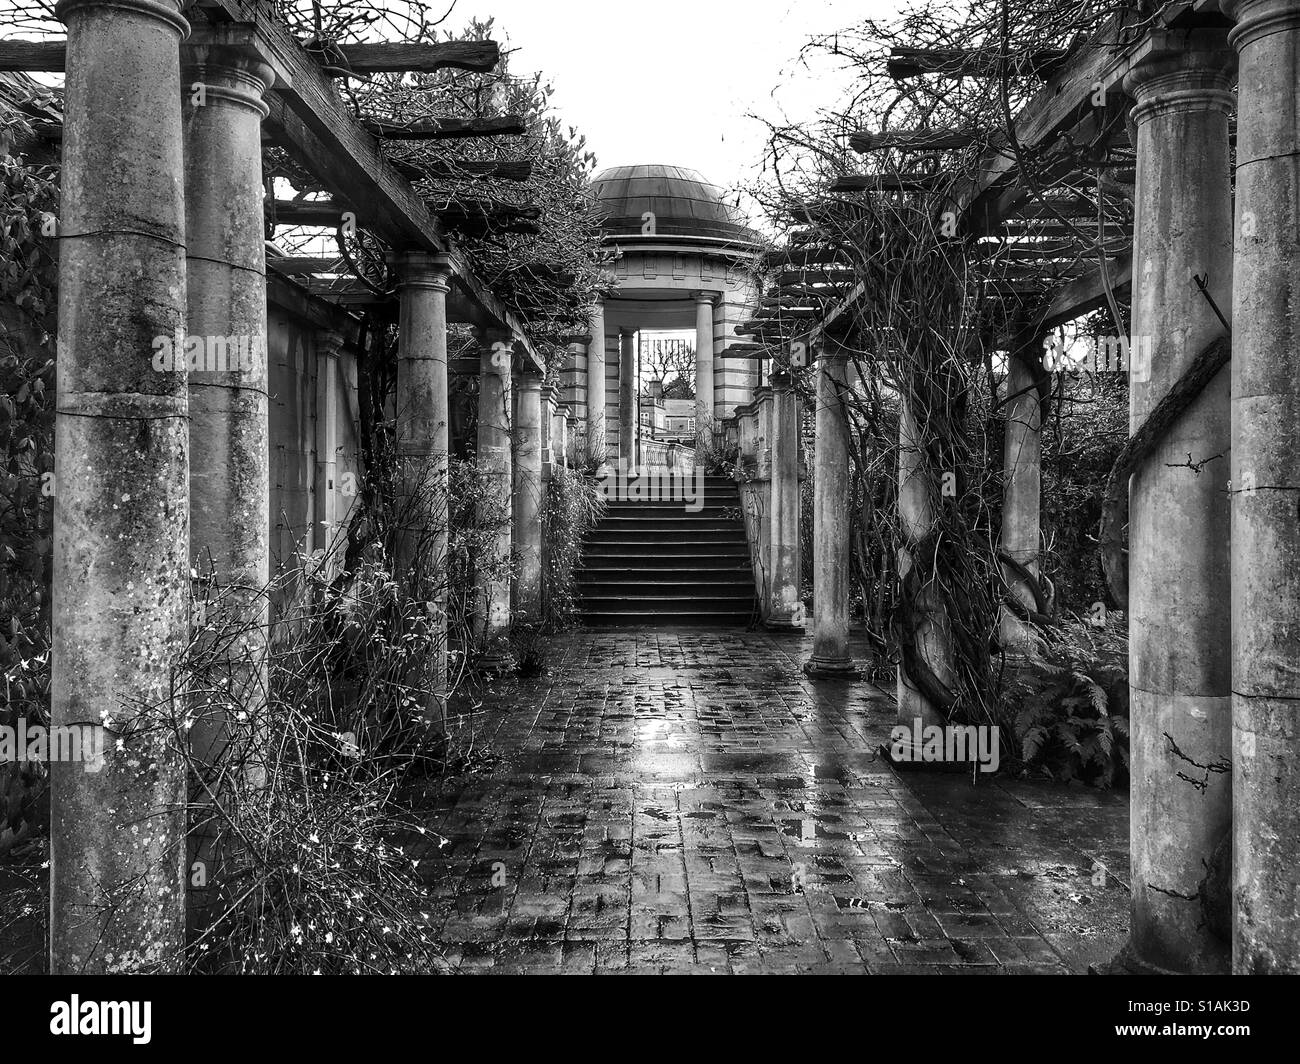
{"points": [[447, 128], [905, 62], [477, 56], [801, 257], [887, 182], [911, 140], [497, 169], [1087, 293], [300, 265]]}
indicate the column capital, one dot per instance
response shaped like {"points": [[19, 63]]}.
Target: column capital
{"points": [[168, 11], [237, 54], [494, 334], [1185, 70], [421, 269], [1258, 18], [329, 343], [703, 296], [780, 380]]}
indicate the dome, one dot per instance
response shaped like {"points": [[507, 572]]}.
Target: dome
{"points": [[683, 203]]}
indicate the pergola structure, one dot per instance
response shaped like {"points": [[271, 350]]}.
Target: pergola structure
{"points": [[1214, 561], [161, 471], [682, 262]]}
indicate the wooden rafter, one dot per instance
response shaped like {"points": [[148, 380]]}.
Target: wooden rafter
{"points": [[476, 56]]}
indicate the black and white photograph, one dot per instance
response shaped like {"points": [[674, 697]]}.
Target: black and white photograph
{"points": [[760, 487]]}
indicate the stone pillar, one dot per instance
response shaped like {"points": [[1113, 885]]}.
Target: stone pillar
{"points": [[786, 604], [830, 654], [121, 522], [528, 496], [704, 302], [326, 531], [230, 491], [1180, 637], [933, 632], [596, 442], [1265, 458], [493, 458], [423, 445], [627, 400], [1022, 465]]}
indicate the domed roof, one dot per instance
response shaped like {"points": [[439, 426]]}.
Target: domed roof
{"points": [[684, 204]]}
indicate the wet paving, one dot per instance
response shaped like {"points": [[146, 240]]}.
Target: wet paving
{"points": [[689, 802]]}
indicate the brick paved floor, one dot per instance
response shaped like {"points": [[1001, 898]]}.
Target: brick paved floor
{"points": [[690, 802]]}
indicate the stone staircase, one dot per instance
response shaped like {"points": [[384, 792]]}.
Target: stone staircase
{"points": [[650, 563]]}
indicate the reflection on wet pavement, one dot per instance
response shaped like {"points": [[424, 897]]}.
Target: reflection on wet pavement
{"points": [[677, 801]]}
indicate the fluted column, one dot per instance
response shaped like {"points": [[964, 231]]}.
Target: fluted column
{"points": [[830, 654], [1266, 487], [121, 519], [495, 510], [786, 602], [627, 400], [596, 442], [1180, 637], [704, 303], [422, 449], [528, 496]]}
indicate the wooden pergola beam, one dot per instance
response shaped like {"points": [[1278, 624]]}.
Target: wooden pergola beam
{"points": [[479, 57], [887, 182], [904, 62], [1087, 293], [309, 120], [447, 128], [911, 140]]}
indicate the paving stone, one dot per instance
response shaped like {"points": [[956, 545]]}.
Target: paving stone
{"points": [[688, 802]]}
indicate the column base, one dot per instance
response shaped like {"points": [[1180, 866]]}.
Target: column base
{"points": [[831, 669], [783, 625], [1126, 962]]}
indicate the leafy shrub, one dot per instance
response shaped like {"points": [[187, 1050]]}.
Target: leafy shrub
{"points": [[1071, 707]]}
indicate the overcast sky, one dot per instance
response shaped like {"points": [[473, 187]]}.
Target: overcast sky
{"points": [[672, 81]]}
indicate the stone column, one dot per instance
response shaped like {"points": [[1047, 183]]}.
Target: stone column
{"points": [[495, 511], [786, 604], [121, 523], [830, 654], [1265, 460], [1022, 465], [704, 302], [596, 448], [1180, 638], [933, 632], [328, 347], [528, 496], [224, 82], [423, 445], [627, 400]]}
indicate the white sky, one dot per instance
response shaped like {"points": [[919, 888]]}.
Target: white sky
{"points": [[672, 81]]}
